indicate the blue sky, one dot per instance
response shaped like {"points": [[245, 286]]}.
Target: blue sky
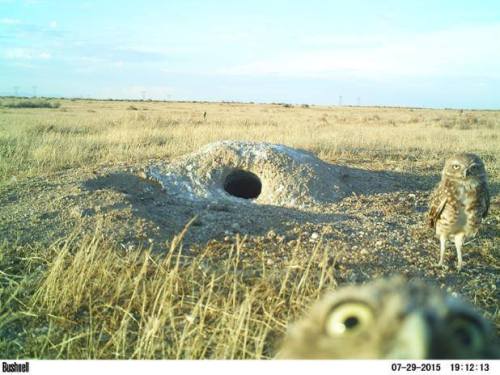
{"points": [[409, 53]]}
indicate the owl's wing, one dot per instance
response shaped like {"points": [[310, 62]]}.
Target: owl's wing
{"points": [[484, 200], [436, 207]]}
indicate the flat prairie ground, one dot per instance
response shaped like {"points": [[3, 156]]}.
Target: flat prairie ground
{"points": [[95, 261]]}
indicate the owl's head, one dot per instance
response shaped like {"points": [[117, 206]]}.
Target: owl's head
{"points": [[390, 318], [464, 166]]}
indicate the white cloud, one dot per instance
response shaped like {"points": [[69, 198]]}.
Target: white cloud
{"points": [[53, 24], [17, 54], [465, 51], [44, 56], [25, 54], [10, 21]]}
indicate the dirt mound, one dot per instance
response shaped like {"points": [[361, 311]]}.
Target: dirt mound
{"points": [[263, 173]]}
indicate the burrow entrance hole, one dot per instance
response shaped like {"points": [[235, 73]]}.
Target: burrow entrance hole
{"points": [[243, 184]]}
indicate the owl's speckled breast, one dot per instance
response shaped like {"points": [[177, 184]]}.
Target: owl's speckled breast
{"points": [[460, 214]]}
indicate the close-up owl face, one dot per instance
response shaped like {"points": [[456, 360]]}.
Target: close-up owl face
{"points": [[464, 166], [390, 319]]}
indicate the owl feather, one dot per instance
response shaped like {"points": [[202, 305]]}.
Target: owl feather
{"points": [[459, 202], [390, 318]]}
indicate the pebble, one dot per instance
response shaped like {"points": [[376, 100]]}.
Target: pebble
{"points": [[85, 212], [314, 236], [271, 234]]}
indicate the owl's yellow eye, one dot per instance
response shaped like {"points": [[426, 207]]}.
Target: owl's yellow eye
{"points": [[455, 166], [467, 333], [348, 318]]}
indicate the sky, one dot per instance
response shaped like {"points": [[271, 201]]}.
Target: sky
{"points": [[397, 53]]}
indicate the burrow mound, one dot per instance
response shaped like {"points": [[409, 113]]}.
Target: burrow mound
{"points": [[252, 172]]}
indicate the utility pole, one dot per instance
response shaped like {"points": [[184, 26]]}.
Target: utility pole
{"points": [[16, 90], [34, 91], [143, 94], [358, 99], [340, 100]]}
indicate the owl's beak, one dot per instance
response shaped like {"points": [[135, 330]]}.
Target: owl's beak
{"points": [[413, 340]]}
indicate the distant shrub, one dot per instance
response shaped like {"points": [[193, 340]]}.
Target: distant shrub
{"points": [[371, 118], [470, 119], [132, 108], [286, 105], [466, 121], [140, 116], [305, 106], [463, 125], [31, 103]]}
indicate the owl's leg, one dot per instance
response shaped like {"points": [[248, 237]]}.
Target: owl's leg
{"points": [[442, 239], [459, 240]]}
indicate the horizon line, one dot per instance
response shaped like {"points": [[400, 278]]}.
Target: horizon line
{"points": [[285, 104]]}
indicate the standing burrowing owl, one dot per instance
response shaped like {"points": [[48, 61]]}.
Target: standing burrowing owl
{"points": [[391, 318], [459, 202]]}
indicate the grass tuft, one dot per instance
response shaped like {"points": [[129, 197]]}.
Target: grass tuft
{"points": [[89, 299]]}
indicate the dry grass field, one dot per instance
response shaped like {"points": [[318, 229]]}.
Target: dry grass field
{"points": [[89, 269]]}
